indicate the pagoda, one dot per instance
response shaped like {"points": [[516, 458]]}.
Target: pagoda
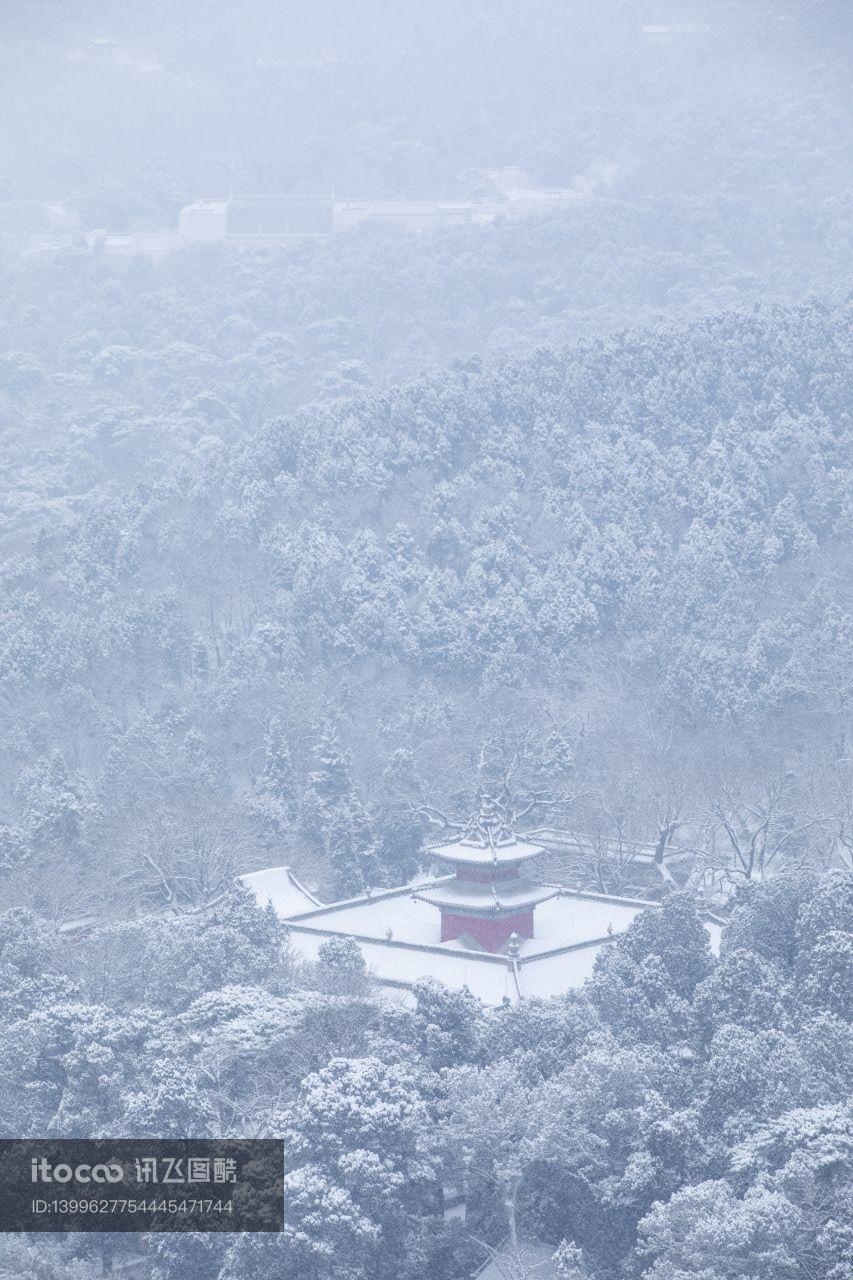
{"points": [[488, 899]]}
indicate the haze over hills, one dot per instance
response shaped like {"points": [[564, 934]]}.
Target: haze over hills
{"points": [[145, 402], [317, 549], [647, 531], [139, 113]]}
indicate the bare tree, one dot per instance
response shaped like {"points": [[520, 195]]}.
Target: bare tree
{"points": [[827, 783], [601, 862], [510, 773], [750, 832], [182, 858]]}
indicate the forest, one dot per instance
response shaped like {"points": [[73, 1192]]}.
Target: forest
{"points": [[617, 571], [304, 545], [679, 1117], [307, 548]]}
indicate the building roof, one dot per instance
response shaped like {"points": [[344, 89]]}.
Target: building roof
{"points": [[486, 841], [279, 886], [553, 973], [399, 935], [485, 849], [487, 899], [673, 28], [568, 916], [494, 978], [206, 206], [533, 1261], [399, 964]]}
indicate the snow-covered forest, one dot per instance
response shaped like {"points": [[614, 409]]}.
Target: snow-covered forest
{"points": [[679, 1117], [617, 571], [307, 547]]}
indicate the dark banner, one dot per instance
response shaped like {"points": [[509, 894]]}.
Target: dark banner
{"points": [[149, 1184]]}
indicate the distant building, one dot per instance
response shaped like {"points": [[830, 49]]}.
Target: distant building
{"points": [[206, 220], [408, 215], [264, 217], [525, 200], [485, 926], [121, 244], [256, 218], [246, 220], [103, 47], [667, 31], [509, 177]]}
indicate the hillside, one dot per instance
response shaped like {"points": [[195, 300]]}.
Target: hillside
{"points": [[624, 563]]}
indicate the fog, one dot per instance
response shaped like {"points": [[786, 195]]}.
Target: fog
{"points": [[426, 460]]}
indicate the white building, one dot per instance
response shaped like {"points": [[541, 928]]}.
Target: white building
{"points": [[204, 221]]}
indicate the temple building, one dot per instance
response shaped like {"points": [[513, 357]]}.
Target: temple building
{"points": [[487, 900], [483, 922]]}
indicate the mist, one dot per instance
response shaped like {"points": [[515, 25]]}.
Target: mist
{"points": [[426, 626]]}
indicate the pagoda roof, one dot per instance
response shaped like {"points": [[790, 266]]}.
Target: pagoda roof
{"points": [[486, 899], [475, 851]]}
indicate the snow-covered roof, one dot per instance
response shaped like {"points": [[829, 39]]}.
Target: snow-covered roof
{"points": [[398, 964], [505, 895], [280, 886], [399, 935], [532, 1260], [576, 916], [551, 973], [476, 852], [213, 206], [373, 914]]}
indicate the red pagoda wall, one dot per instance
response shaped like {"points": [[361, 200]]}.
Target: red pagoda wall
{"points": [[490, 934]]}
